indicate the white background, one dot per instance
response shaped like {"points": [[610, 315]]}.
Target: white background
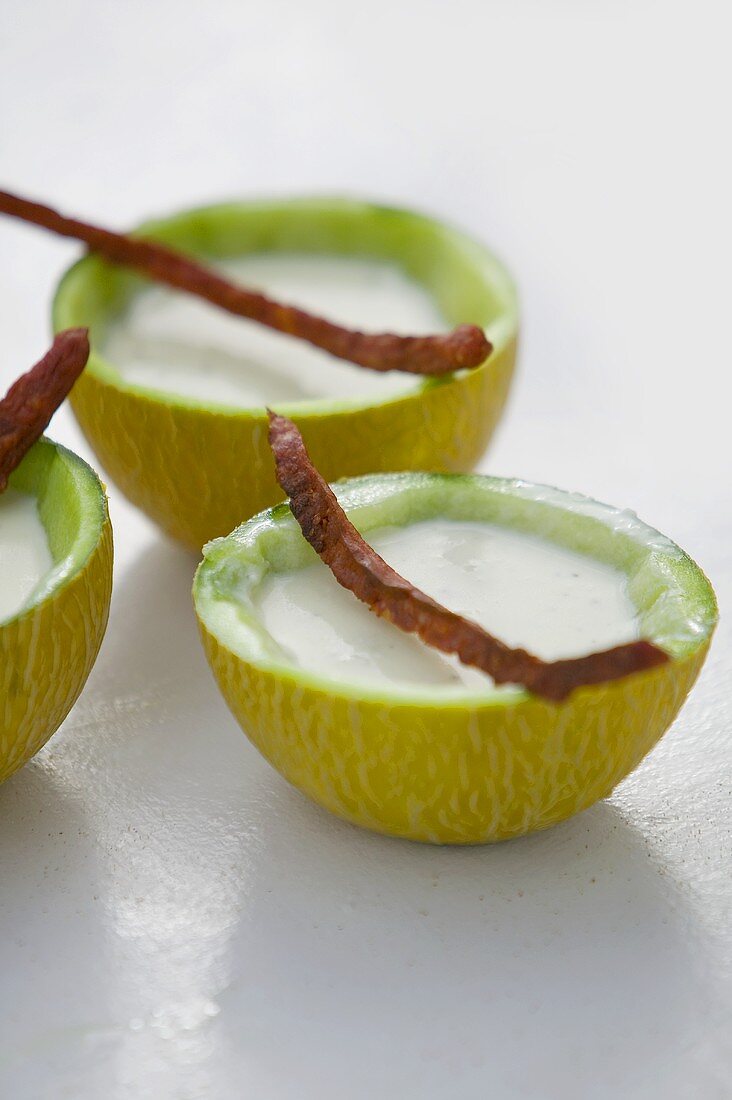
{"points": [[176, 922]]}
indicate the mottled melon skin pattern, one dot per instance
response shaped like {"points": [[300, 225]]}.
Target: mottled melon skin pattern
{"points": [[464, 767], [198, 474], [198, 471], [47, 654], [453, 775]]}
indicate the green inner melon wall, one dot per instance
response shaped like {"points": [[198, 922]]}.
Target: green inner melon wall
{"points": [[673, 599], [46, 475], [460, 275], [285, 548]]}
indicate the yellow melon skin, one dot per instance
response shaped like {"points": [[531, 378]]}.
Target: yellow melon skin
{"points": [[198, 474], [447, 774], [463, 767], [47, 653], [199, 470]]}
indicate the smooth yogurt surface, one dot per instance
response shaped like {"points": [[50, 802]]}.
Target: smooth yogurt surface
{"points": [[176, 343], [525, 590], [25, 557]]}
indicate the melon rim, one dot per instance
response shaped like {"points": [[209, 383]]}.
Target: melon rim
{"points": [[675, 602], [466, 280], [72, 506]]}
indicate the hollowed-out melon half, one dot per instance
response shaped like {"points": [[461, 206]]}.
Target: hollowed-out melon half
{"points": [[48, 648], [459, 766], [198, 469]]}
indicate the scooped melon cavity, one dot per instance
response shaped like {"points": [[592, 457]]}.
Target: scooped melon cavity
{"points": [[172, 342], [527, 591]]}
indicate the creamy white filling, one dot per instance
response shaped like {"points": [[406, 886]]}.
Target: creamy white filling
{"points": [[173, 342], [525, 590], [25, 557]]}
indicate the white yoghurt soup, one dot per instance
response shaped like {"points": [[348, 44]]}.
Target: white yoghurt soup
{"points": [[171, 341], [25, 557], [525, 590]]}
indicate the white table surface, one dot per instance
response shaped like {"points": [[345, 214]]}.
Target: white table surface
{"points": [[177, 923]]}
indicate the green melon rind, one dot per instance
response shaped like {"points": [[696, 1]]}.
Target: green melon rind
{"points": [[48, 648], [456, 773], [440, 766], [675, 602], [197, 468], [468, 283]]}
